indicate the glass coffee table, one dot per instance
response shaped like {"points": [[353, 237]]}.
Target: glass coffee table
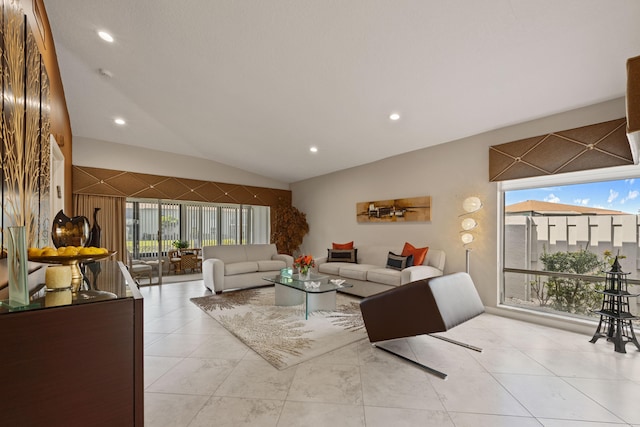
{"points": [[317, 292]]}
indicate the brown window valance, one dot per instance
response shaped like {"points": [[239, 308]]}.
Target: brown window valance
{"points": [[589, 147]]}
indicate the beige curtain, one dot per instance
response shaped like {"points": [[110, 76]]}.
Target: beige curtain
{"points": [[111, 219]]}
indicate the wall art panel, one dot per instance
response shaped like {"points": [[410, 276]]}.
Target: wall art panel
{"points": [[396, 210], [25, 132]]}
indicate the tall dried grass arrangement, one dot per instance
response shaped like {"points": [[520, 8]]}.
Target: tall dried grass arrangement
{"points": [[21, 124]]}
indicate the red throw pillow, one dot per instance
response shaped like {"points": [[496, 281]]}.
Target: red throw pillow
{"points": [[419, 254], [343, 246]]}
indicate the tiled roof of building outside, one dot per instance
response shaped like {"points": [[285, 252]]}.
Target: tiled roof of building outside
{"points": [[536, 207]]}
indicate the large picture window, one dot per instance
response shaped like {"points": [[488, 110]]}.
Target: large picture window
{"points": [[558, 241]]}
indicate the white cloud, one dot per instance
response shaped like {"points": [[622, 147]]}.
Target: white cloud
{"points": [[552, 198], [630, 181], [583, 202], [612, 196], [632, 195]]}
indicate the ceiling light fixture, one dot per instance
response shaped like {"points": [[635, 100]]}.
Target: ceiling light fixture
{"points": [[119, 121], [313, 149], [105, 36], [394, 116]]}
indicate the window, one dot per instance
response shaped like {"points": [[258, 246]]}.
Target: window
{"points": [[559, 239], [200, 224]]}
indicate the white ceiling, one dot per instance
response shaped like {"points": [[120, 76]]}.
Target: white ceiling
{"points": [[255, 83]]}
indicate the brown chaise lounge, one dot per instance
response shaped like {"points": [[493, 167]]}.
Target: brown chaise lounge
{"points": [[422, 307]]}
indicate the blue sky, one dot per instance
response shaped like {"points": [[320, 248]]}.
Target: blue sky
{"points": [[622, 195]]}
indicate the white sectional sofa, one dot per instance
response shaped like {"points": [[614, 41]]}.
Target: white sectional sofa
{"points": [[241, 266], [370, 276]]}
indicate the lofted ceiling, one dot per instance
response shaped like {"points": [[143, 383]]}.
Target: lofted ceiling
{"points": [[255, 83]]}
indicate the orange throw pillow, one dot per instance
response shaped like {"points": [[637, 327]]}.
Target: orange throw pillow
{"points": [[343, 246], [419, 254]]}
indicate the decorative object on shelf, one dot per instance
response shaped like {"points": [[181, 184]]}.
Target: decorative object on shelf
{"points": [[397, 210], [616, 322], [470, 205], [17, 266], [67, 231], [57, 279], [94, 241], [304, 263], [96, 231], [77, 278]]}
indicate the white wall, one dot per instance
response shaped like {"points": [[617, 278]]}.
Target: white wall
{"points": [[448, 173], [107, 155]]}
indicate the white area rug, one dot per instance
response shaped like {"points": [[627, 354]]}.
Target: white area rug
{"points": [[281, 335]]}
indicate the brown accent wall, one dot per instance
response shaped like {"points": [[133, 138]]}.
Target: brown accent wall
{"points": [[108, 182], [589, 147]]}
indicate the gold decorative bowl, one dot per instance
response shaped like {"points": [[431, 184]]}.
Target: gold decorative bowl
{"points": [[72, 260]]}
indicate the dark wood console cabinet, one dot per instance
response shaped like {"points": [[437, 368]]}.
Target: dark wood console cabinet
{"points": [[78, 364]]}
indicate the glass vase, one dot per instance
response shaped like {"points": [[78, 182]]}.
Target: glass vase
{"points": [[17, 266], [305, 274]]}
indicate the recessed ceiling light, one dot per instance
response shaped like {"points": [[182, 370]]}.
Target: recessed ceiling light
{"points": [[313, 149], [119, 121], [394, 116], [105, 36]]}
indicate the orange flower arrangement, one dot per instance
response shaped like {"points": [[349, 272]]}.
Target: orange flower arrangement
{"points": [[303, 263]]}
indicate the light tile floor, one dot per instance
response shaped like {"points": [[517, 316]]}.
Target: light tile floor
{"points": [[198, 374]]}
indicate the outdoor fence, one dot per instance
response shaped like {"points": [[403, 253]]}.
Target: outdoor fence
{"points": [[584, 245]]}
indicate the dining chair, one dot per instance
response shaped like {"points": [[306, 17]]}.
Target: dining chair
{"points": [[190, 262], [175, 260]]}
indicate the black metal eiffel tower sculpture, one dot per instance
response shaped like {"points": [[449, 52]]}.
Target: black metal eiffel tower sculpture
{"points": [[615, 319]]}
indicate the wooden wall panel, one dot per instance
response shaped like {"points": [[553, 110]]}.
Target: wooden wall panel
{"points": [[107, 182], [589, 147]]}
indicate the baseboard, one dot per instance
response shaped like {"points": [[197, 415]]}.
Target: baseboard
{"points": [[582, 326]]}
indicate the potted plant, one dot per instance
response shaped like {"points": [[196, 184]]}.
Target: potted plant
{"points": [[180, 244]]}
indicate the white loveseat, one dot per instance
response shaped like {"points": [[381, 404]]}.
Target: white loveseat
{"points": [[241, 266], [370, 276]]}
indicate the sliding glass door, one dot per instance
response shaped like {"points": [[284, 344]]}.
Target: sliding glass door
{"points": [[154, 225], [144, 236]]}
